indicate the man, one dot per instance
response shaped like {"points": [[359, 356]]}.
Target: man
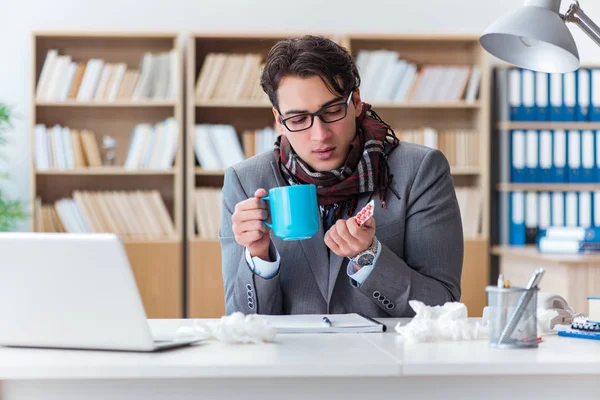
{"points": [[411, 249]]}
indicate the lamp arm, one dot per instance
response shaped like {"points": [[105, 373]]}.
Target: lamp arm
{"points": [[576, 15]]}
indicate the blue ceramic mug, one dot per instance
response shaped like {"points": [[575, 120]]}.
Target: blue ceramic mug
{"points": [[294, 211]]}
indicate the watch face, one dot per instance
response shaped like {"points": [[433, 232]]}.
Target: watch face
{"points": [[365, 259]]}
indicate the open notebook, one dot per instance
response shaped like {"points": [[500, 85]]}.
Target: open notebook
{"points": [[317, 323]]}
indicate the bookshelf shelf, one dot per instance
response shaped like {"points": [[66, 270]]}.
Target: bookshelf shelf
{"points": [[107, 171], [530, 252], [233, 104], [166, 240], [432, 105], [546, 125], [457, 170], [200, 171], [122, 103], [144, 206], [547, 187]]}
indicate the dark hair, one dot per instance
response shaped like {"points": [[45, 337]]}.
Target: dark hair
{"points": [[308, 56]]}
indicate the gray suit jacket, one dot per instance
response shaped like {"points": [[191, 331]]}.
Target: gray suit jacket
{"points": [[421, 236]]}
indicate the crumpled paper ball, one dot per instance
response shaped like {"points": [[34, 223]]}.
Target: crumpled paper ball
{"points": [[234, 328], [437, 323]]}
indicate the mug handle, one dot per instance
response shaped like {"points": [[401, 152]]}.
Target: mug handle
{"points": [[265, 222]]}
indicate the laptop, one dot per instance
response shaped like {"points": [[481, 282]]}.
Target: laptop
{"points": [[74, 291]]}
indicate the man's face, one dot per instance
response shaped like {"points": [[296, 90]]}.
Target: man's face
{"points": [[323, 146]]}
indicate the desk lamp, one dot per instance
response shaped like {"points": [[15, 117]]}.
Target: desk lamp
{"points": [[535, 36]]}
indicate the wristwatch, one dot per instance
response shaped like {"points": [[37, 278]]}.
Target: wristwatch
{"points": [[367, 257]]}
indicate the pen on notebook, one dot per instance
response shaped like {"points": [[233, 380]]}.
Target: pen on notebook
{"points": [[327, 321]]}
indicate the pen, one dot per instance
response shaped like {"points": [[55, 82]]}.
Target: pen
{"points": [[502, 302], [327, 321]]}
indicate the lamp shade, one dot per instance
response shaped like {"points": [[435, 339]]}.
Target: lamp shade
{"points": [[532, 37]]}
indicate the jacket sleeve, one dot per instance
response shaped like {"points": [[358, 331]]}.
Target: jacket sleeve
{"points": [[244, 291], [433, 246]]}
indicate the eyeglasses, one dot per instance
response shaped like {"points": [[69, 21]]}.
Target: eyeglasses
{"points": [[328, 114]]}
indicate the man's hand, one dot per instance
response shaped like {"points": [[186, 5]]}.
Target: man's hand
{"points": [[248, 227], [347, 239]]}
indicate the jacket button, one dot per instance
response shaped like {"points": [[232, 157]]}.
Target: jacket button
{"points": [[386, 302], [390, 306], [376, 294], [248, 287], [381, 298], [249, 293], [251, 305]]}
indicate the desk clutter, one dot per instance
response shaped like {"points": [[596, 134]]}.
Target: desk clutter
{"points": [[516, 317], [584, 327]]}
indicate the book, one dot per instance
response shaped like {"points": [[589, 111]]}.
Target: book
{"points": [[325, 323], [580, 334]]}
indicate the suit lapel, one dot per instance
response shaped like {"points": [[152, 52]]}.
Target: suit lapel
{"points": [[335, 261], [315, 252], [314, 248]]}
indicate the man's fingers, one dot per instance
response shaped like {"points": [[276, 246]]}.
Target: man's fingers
{"points": [[370, 223], [249, 226], [329, 242], [251, 204], [260, 193], [247, 238]]}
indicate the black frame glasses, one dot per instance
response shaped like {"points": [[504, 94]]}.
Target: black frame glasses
{"points": [[318, 114]]}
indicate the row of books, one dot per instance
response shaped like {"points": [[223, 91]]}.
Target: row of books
{"points": [[230, 77], [130, 214], [217, 146], [208, 206], [386, 77], [523, 213], [470, 202], [153, 146], [60, 147], [64, 78], [460, 146], [550, 156], [525, 95]]}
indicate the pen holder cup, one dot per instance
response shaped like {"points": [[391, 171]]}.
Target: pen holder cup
{"points": [[512, 317]]}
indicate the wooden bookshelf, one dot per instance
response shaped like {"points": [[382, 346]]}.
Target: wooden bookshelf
{"points": [[156, 260], [205, 296], [572, 276], [444, 116]]}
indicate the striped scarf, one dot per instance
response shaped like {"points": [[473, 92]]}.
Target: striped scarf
{"points": [[365, 169]]}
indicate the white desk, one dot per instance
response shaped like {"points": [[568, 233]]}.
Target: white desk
{"points": [[350, 366]]}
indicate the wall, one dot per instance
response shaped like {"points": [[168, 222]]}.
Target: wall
{"points": [[19, 19]]}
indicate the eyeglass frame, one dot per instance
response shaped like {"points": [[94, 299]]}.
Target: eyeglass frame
{"points": [[317, 113]]}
